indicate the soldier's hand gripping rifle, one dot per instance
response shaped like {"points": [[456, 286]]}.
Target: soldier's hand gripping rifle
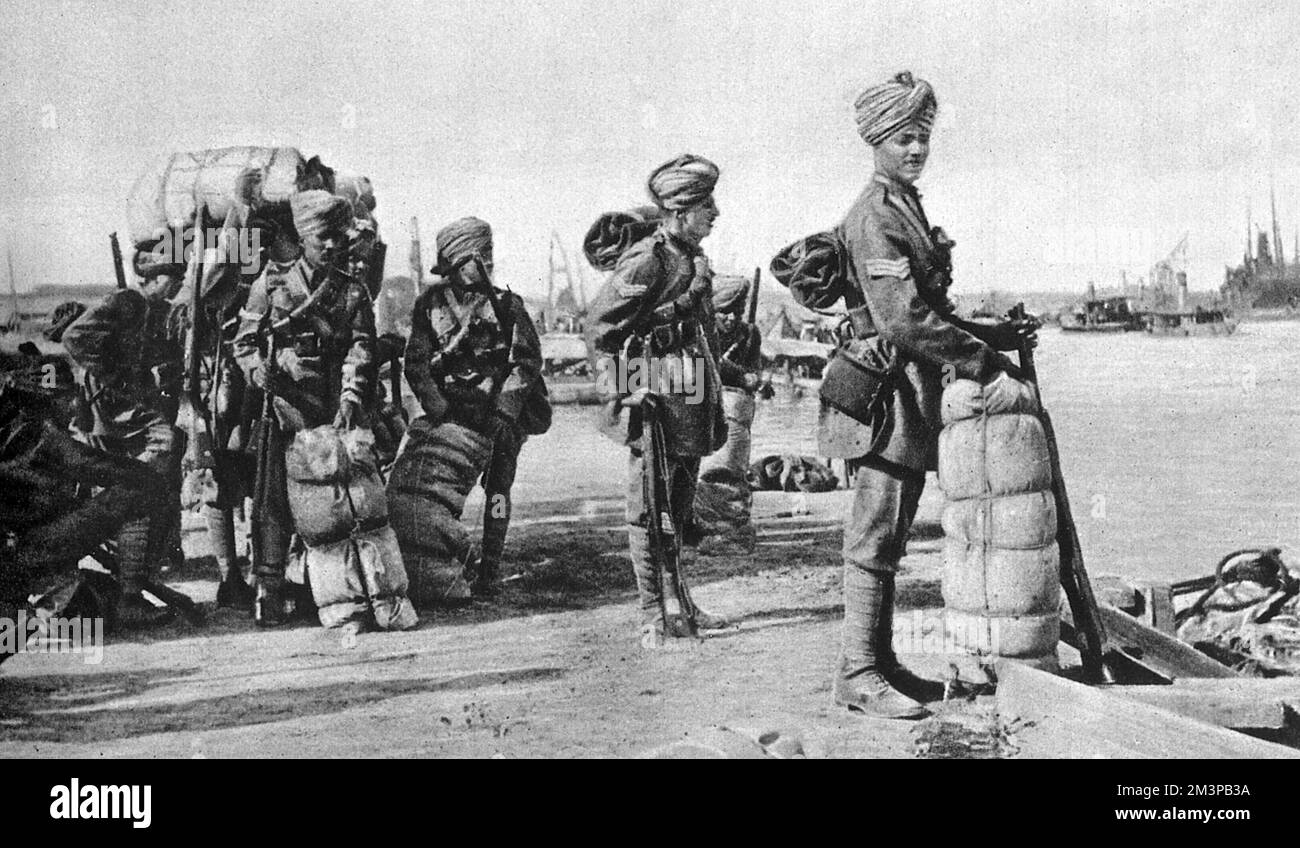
{"points": [[661, 528]]}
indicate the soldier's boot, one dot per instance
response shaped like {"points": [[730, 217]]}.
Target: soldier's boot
{"points": [[233, 591], [488, 570], [486, 574], [136, 545], [648, 591], [270, 607], [860, 681]]}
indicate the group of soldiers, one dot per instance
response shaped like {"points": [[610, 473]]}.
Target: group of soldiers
{"points": [[299, 341]]}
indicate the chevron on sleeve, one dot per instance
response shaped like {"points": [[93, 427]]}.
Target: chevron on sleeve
{"points": [[889, 267]]}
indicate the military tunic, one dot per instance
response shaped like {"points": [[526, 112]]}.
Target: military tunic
{"points": [[902, 279], [648, 297], [902, 276], [326, 352], [459, 380]]}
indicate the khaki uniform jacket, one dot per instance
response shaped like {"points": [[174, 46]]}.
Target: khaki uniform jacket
{"points": [[328, 353], [439, 314], [121, 403], [903, 281], [650, 277]]}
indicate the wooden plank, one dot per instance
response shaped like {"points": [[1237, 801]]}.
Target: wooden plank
{"points": [[1244, 702], [1157, 606], [1157, 649], [1060, 718]]}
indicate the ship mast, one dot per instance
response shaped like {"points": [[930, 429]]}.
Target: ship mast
{"points": [[1277, 233], [1250, 249], [16, 321]]}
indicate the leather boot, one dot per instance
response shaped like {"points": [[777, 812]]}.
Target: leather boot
{"points": [[860, 682], [135, 613], [269, 608], [486, 575]]}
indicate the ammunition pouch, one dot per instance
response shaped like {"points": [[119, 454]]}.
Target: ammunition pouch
{"points": [[859, 381]]}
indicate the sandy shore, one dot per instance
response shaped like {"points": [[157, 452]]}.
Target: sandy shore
{"points": [[553, 669]]}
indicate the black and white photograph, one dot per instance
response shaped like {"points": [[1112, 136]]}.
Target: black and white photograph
{"points": [[670, 379]]}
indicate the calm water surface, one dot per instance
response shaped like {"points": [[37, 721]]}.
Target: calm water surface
{"points": [[1175, 451]]}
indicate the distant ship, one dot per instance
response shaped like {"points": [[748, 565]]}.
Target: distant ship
{"points": [[1101, 315], [1162, 307], [1265, 285]]}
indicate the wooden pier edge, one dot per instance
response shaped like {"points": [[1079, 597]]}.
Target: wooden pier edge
{"points": [[1059, 718]]}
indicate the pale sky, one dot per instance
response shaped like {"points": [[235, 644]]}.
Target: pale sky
{"points": [[1074, 139]]}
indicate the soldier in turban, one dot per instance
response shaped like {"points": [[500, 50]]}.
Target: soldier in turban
{"points": [[322, 323], [474, 362], [893, 276], [123, 413], [657, 307]]}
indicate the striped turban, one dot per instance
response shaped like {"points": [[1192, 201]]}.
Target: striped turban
{"points": [[683, 182], [459, 241], [318, 211], [730, 293], [884, 109]]}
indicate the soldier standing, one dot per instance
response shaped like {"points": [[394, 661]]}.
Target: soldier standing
{"points": [[905, 329], [473, 361], [723, 501], [123, 413], [655, 309], [322, 327], [164, 360]]}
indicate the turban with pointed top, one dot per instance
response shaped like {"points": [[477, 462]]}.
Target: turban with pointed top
{"points": [[884, 109]]}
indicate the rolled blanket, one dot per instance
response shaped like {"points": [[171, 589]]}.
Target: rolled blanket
{"points": [[426, 497], [1001, 582], [614, 232], [815, 269]]}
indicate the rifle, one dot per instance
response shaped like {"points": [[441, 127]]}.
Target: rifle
{"points": [[118, 270], [376, 267], [1094, 643], [751, 308], [266, 423], [665, 542], [417, 264], [199, 454]]}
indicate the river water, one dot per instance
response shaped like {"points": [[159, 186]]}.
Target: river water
{"points": [[1175, 451]]}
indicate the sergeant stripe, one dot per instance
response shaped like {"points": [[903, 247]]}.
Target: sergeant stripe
{"points": [[889, 267]]}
